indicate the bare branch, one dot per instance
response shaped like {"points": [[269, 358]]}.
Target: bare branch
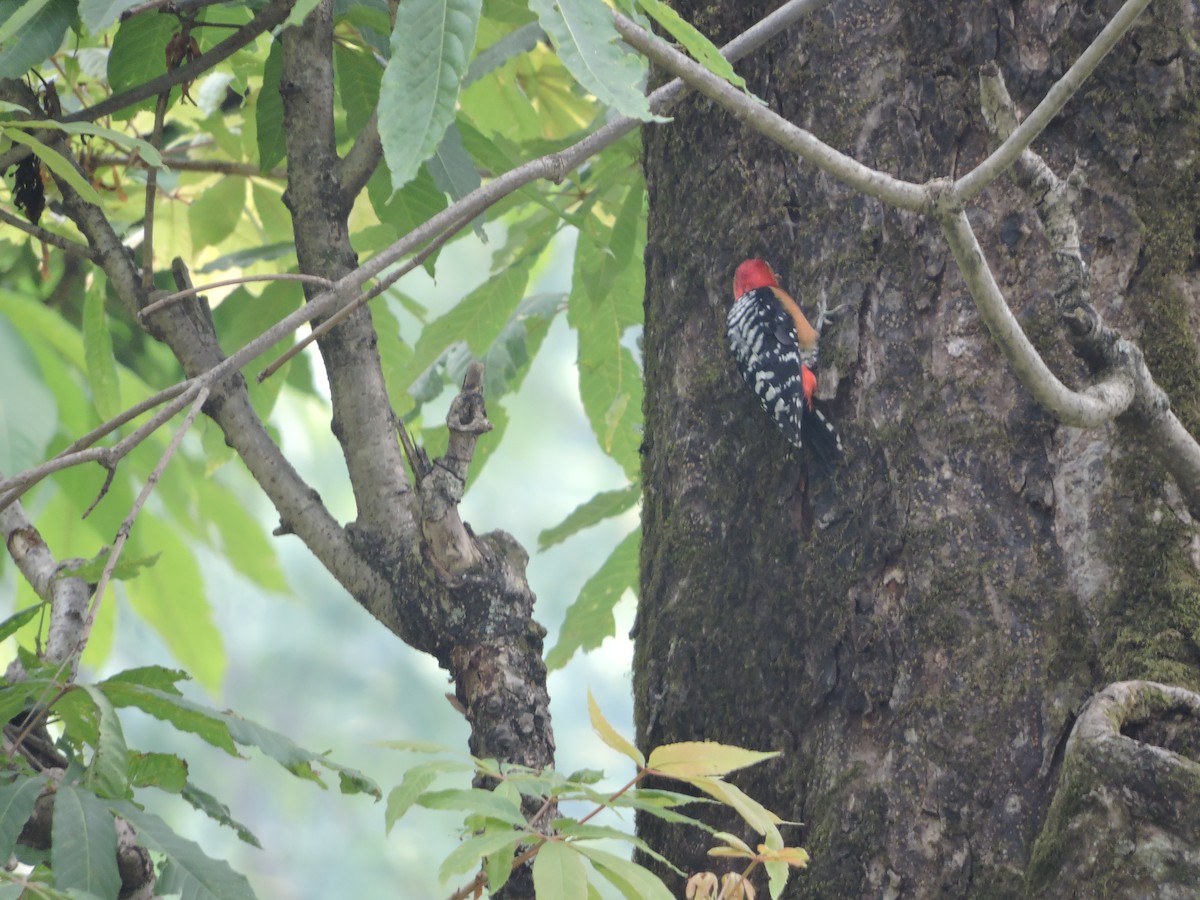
{"points": [[973, 183], [1100, 346], [160, 112], [229, 282], [127, 525], [361, 159], [47, 237], [1090, 408], [749, 109], [179, 164]]}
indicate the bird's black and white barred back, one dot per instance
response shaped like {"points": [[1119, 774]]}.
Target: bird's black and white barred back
{"points": [[769, 355]]}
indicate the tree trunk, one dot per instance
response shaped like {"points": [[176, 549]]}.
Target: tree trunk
{"points": [[918, 630]]}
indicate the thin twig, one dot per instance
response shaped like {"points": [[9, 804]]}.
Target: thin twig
{"points": [[160, 113], [973, 183], [228, 282], [126, 526], [340, 316], [219, 166], [48, 237]]}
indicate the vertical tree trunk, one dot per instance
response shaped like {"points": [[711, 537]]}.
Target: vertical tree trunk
{"points": [[918, 630]]}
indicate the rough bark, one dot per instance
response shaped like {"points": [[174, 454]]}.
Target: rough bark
{"points": [[919, 631]]}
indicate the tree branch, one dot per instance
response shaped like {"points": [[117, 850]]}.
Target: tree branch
{"points": [[973, 183], [47, 237]]}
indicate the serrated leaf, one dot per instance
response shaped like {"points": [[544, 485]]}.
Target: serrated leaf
{"points": [[610, 735], [559, 871], [589, 620], [108, 772], [415, 203], [16, 806], [633, 881], [431, 43], [157, 678], [468, 854], [188, 870], [588, 44], [689, 759], [218, 812], [174, 708], [164, 771], [99, 14], [32, 32], [127, 567], [589, 832], [701, 48], [475, 801], [268, 112], [604, 505], [83, 849], [98, 353], [59, 166]]}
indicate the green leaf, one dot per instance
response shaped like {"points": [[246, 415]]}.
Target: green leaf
{"points": [[606, 302], [98, 351], [108, 772], [610, 735], [404, 795], [559, 871], [218, 812], [59, 165], [691, 758], [589, 832], [454, 171], [83, 848], [144, 149], [633, 881], [215, 213], [467, 855], [268, 112], [604, 505], [478, 318], [431, 43], [589, 620], [170, 597], [18, 620], [243, 541], [756, 815], [358, 75], [512, 44], [188, 871], [499, 865], [31, 32], [164, 771], [138, 55], [99, 14], [240, 259], [170, 706], [405, 209], [28, 411], [588, 44], [127, 567], [477, 802], [16, 806], [701, 48]]}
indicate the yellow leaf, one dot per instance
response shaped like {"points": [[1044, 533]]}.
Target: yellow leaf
{"points": [[700, 758], [610, 735]]}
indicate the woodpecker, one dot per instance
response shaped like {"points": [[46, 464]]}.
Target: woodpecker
{"points": [[776, 351]]}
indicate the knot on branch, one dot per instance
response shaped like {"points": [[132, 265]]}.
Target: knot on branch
{"points": [[1127, 809]]}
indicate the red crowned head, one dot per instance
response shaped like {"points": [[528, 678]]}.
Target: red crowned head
{"points": [[753, 273]]}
